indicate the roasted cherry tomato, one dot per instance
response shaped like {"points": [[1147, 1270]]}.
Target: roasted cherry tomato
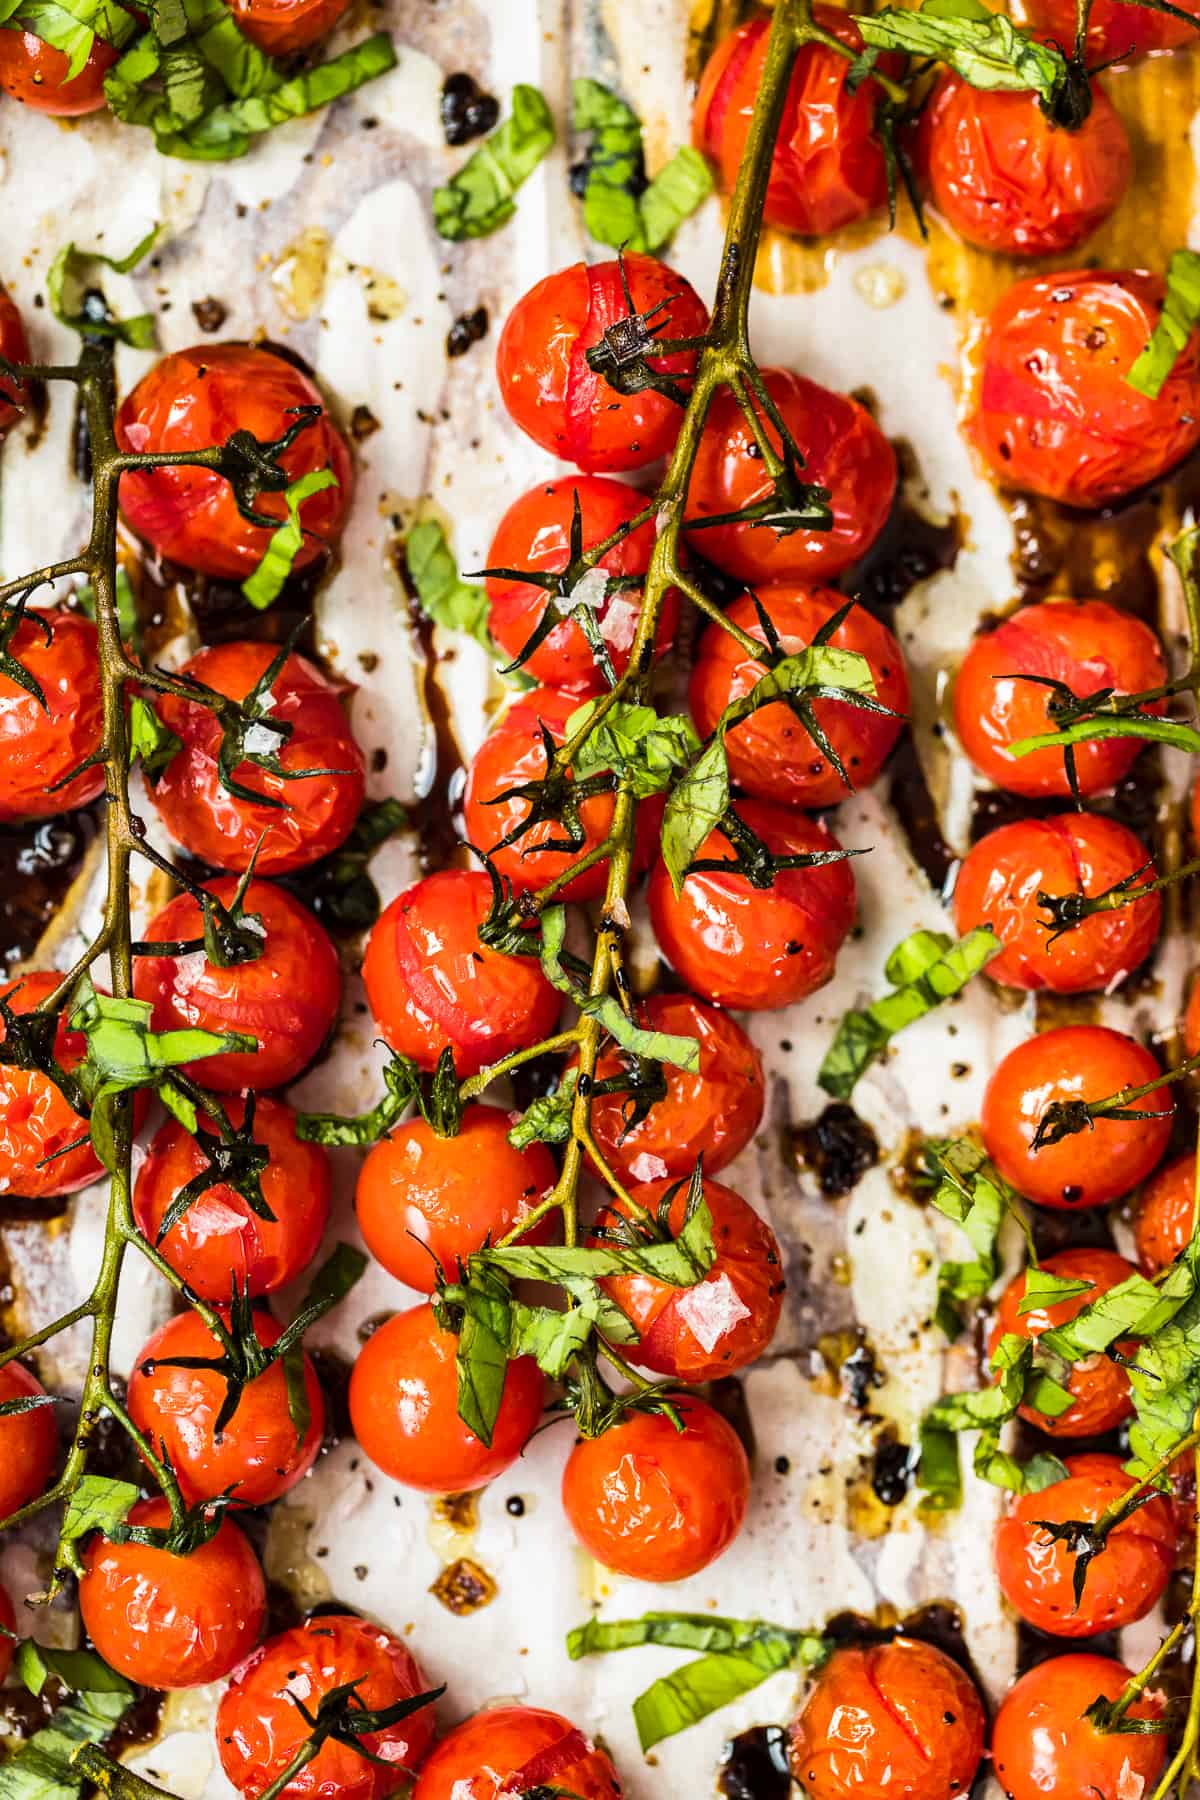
{"points": [[896, 1719], [422, 1204], [844, 451], [700, 1333], [40, 744], [752, 947], [1008, 180], [287, 996], [1100, 1388], [303, 818], [281, 27], [545, 382], [8, 1619], [171, 1621], [1191, 1022], [1000, 695], [511, 1750], [37, 1121], [260, 1727], [220, 1240], [656, 1503], [1056, 415], [14, 347], [1162, 1224], [195, 398], [1076, 853], [1043, 1744], [28, 1441], [535, 535], [828, 167], [35, 73], [770, 753], [431, 983], [1117, 32], [257, 1456], [1088, 1167]]}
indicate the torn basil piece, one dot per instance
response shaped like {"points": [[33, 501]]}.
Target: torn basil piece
{"points": [[266, 583], [481, 197], [986, 49], [1180, 314], [71, 26]]}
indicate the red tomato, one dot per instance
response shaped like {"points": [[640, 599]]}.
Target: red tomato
{"points": [[1043, 1745], [545, 382], [898, 1719], [220, 1240], [309, 817], [28, 1441], [828, 168], [404, 1408], [1116, 30], [258, 1455], [1191, 1023], [655, 1503], [1100, 1387], [170, 1621], [39, 746], [1090, 1167], [725, 1321], [757, 948], [199, 397], [260, 1728], [1056, 415], [287, 997], [14, 347], [1008, 180], [8, 1619], [1085, 644], [34, 73], [770, 753], [512, 1750], [37, 1121], [844, 451], [281, 27], [431, 982], [1075, 853], [421, 1204], [1162, 1224]]}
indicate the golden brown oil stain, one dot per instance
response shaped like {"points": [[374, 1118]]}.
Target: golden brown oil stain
{"points": [[464, 1586]]}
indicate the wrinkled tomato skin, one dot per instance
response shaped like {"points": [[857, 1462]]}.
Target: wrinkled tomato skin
{"points": [[1086, 645], [422, 1206], [14, 347], [281, 27], [311, 816], [28, 1441], [257, 1455], [1056, 415], [770, 753], [170, 1621], [1008, 180], [1116, 32], [199, 397], [828, 167], [714, 1112], [752, 948], [535, 534], [1042, 1745], [39, 745], [899, 1721], [36, 1118], [8, 1619], [844, 451], [545, 382], [1087, 1168], [287, 997], [34, 72], [1074, 853], [1162, 1223], [220, 1240], [424, 951], [655, 1503], [1100, 1388], [404, 1408], [725, 1321], [508, 1750], [259, 1728]]}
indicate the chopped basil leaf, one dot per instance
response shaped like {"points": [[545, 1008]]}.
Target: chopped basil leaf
{"points": [[155, 743], [640, 745], [619, 207], [71, 26], [1021, 1381], [1180, 314], [694, 809], [1044, 1289], [656, 1046], [548, 1119], [1134, 1308], [988, 52], [73, 273], [479, 199], [681, 185], [975, 1197], [680, 1262], [443, 595], [1164, 1380], [82, 1671], [286, 542], [43, 1767]]}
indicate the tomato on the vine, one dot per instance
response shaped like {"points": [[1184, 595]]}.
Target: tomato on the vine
{"points": [[1166, 1209], [35, 73], [37, 1121], [513, 1750], [41, 744], [1044, 1744], [1099, 1387], [281, 27], [1092, 1166], [432, 984], [1117, 31], [14, 348], [28, 1440]]}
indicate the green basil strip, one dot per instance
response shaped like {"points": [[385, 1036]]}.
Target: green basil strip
{"points": [[1165, 1383], [988, 52], [680, 187], [1180, 314], [1044, 1289], [973, 1195], [442, 594], [681, 1262], [480, 198], [42, 1769], [72, 26], [658, 1046], [150, 739], [547, 1120], [1134, 1308], [73, 271], [638, 744], [615, 175], [266, 583], [1089, 731]]}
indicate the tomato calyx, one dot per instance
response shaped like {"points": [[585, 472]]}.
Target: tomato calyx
{"points": [[1085, 1539], [621, 356], [195, 1525], [1069, 910], [792, 504], [1110, 1716], [342, 1718], [755, 860], [232, 1158], [438, 1098], [230, 935], [1064, 1118], [12, 614]]}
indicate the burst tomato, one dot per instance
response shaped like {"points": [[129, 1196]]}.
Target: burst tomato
{"points": [[28, 1441], [1100, 1388], [14, 347], [1042, 1743], [511, 1750], [37, 1121], [8, 1619], [1117, 31], [1162, 1224], [35, 73], [281, 27], [41, 745]]}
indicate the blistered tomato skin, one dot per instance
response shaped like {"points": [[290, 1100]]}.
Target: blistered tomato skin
{"points": [[1162, 1223], [1085, 644], [1055, 414], [1100, 1388], [305, 817], [655, 1503], [896, 1720], [770, 753], [259, 1727], [34, 72], [40, 746], [1074, 853], [37, 1121], [844, 451], [545, 382], [516, 1750], [198, 397], [28, 1441], [14, 347], [1115, 32], [432, 984], [1042, 1744], [1088, 1167], [281, 27]]}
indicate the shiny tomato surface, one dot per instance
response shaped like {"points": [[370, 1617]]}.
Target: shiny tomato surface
{"points": [[37, 1121], [35, 73], [1042, 1745], [281, 27], [14, 347], [1116, 30], [40, 746], [28, 1441], [511, 1750], [1100, 1389], [545, 382], [431, 983], [1166, 1209]]}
